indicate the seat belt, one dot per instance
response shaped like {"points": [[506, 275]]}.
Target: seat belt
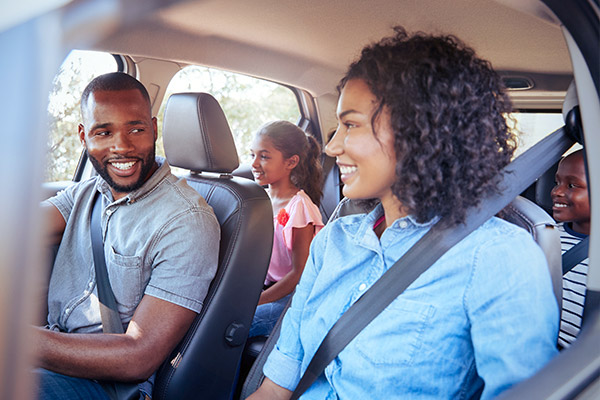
{"points": [[575, 255], [514, 178], [111, 321]]}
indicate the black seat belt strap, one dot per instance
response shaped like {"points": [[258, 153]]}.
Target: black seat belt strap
{"points": [[514, 178], [111, 321], [575, 255]]}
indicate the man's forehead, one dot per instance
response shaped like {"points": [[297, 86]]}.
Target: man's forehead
{"points": [[130, 98]]}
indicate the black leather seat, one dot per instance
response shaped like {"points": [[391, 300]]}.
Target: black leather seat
{"points": [[197, 137]]}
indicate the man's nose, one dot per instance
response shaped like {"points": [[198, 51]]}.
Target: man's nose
{"points": [[122, 142]]}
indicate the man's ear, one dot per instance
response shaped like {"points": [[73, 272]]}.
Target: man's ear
{"points": [[81, 130], [293, 161], [155, 127]]}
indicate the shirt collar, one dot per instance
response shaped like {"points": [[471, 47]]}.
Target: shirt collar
{"points": [[157, 177], [364, 234]]}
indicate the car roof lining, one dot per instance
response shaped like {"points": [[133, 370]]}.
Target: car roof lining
{"points": [[284, 41]]}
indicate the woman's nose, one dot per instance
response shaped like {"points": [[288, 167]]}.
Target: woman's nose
{"points": [[335, 145]]}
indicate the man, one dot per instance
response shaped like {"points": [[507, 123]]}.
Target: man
{"points": [[158, 273]]}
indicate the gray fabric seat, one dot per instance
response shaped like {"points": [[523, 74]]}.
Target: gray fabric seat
{"points": [[197, 138]]}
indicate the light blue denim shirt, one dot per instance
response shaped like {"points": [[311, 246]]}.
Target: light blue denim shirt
{"points": [[483, 317], [161, 240]]}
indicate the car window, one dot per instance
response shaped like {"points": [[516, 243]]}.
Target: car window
{"points": [[64, 148], [534, 126], [247, 102]]}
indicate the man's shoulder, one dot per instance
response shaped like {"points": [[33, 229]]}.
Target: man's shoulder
{"points": [[175, 197]]}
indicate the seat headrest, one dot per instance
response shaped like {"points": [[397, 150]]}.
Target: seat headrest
{"points": [[196, 134], [571, 114]]}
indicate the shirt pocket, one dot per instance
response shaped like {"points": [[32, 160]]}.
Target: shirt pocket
{"points": [[395, 335], [125, 275]]}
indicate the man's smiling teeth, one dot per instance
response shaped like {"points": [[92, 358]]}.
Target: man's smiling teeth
{"points": [[344, 169], [559, 205], [123, 166]]}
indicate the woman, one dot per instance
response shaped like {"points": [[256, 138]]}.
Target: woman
{"points": [[421, 129]]}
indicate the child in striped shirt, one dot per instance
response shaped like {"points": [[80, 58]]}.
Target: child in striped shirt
{"points": [[571, 207]]}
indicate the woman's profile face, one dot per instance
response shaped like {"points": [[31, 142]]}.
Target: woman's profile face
{"points": [[367, 162]]}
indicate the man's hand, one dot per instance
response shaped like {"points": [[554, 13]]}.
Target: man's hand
{"points": [[155, 329]]}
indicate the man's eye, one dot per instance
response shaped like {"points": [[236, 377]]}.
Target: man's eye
{"points": [[102, 133], [571, 186], [137, 130], [263, 157]]}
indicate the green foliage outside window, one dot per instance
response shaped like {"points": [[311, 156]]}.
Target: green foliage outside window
{"points": [[247, 102]]}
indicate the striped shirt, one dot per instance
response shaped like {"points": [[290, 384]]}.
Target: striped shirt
{"points": [[573, 289]]}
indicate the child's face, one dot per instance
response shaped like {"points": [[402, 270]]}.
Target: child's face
{"points": [[570, 195], [268, 164]]}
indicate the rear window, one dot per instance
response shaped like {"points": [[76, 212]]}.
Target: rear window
{"points": [[247, 102], [533, 127]]}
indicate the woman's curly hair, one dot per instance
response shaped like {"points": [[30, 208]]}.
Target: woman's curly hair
{"points": [[447, 110]]}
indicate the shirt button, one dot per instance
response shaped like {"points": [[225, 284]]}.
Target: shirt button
{"points": [[403, 224], [67, 310], [362, 286], [109, 212]]}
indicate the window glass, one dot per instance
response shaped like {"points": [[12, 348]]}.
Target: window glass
{"points": [[533, 127], [64, 148], [247, 102]]}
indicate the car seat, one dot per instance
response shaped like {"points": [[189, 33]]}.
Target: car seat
{"points": [[197, 138]]}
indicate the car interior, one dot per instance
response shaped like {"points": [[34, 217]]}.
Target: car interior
{"points": [[539, 48]]}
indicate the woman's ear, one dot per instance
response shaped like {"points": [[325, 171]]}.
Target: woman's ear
{"points": [[292, 162]]}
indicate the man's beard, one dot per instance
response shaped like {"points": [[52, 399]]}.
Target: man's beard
{"points": [[102, 170]]}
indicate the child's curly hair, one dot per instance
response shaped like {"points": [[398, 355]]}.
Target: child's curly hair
{"points": [[447, 110]]}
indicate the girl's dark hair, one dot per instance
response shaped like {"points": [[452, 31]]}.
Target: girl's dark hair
{"points": [[290, 140], [447, 110]]}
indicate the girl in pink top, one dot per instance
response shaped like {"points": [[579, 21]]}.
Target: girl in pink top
{"points": [[287, 160]]}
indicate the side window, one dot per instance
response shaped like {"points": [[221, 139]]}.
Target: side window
{"points": [[247, 102], [64, 148], [534, 126]]}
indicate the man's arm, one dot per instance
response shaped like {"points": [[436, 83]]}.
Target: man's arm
{"points": [[269, 390], [156, 327], [55, 224]]}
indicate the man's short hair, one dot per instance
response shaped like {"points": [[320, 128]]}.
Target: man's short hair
{"points": [[113, 81]]}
